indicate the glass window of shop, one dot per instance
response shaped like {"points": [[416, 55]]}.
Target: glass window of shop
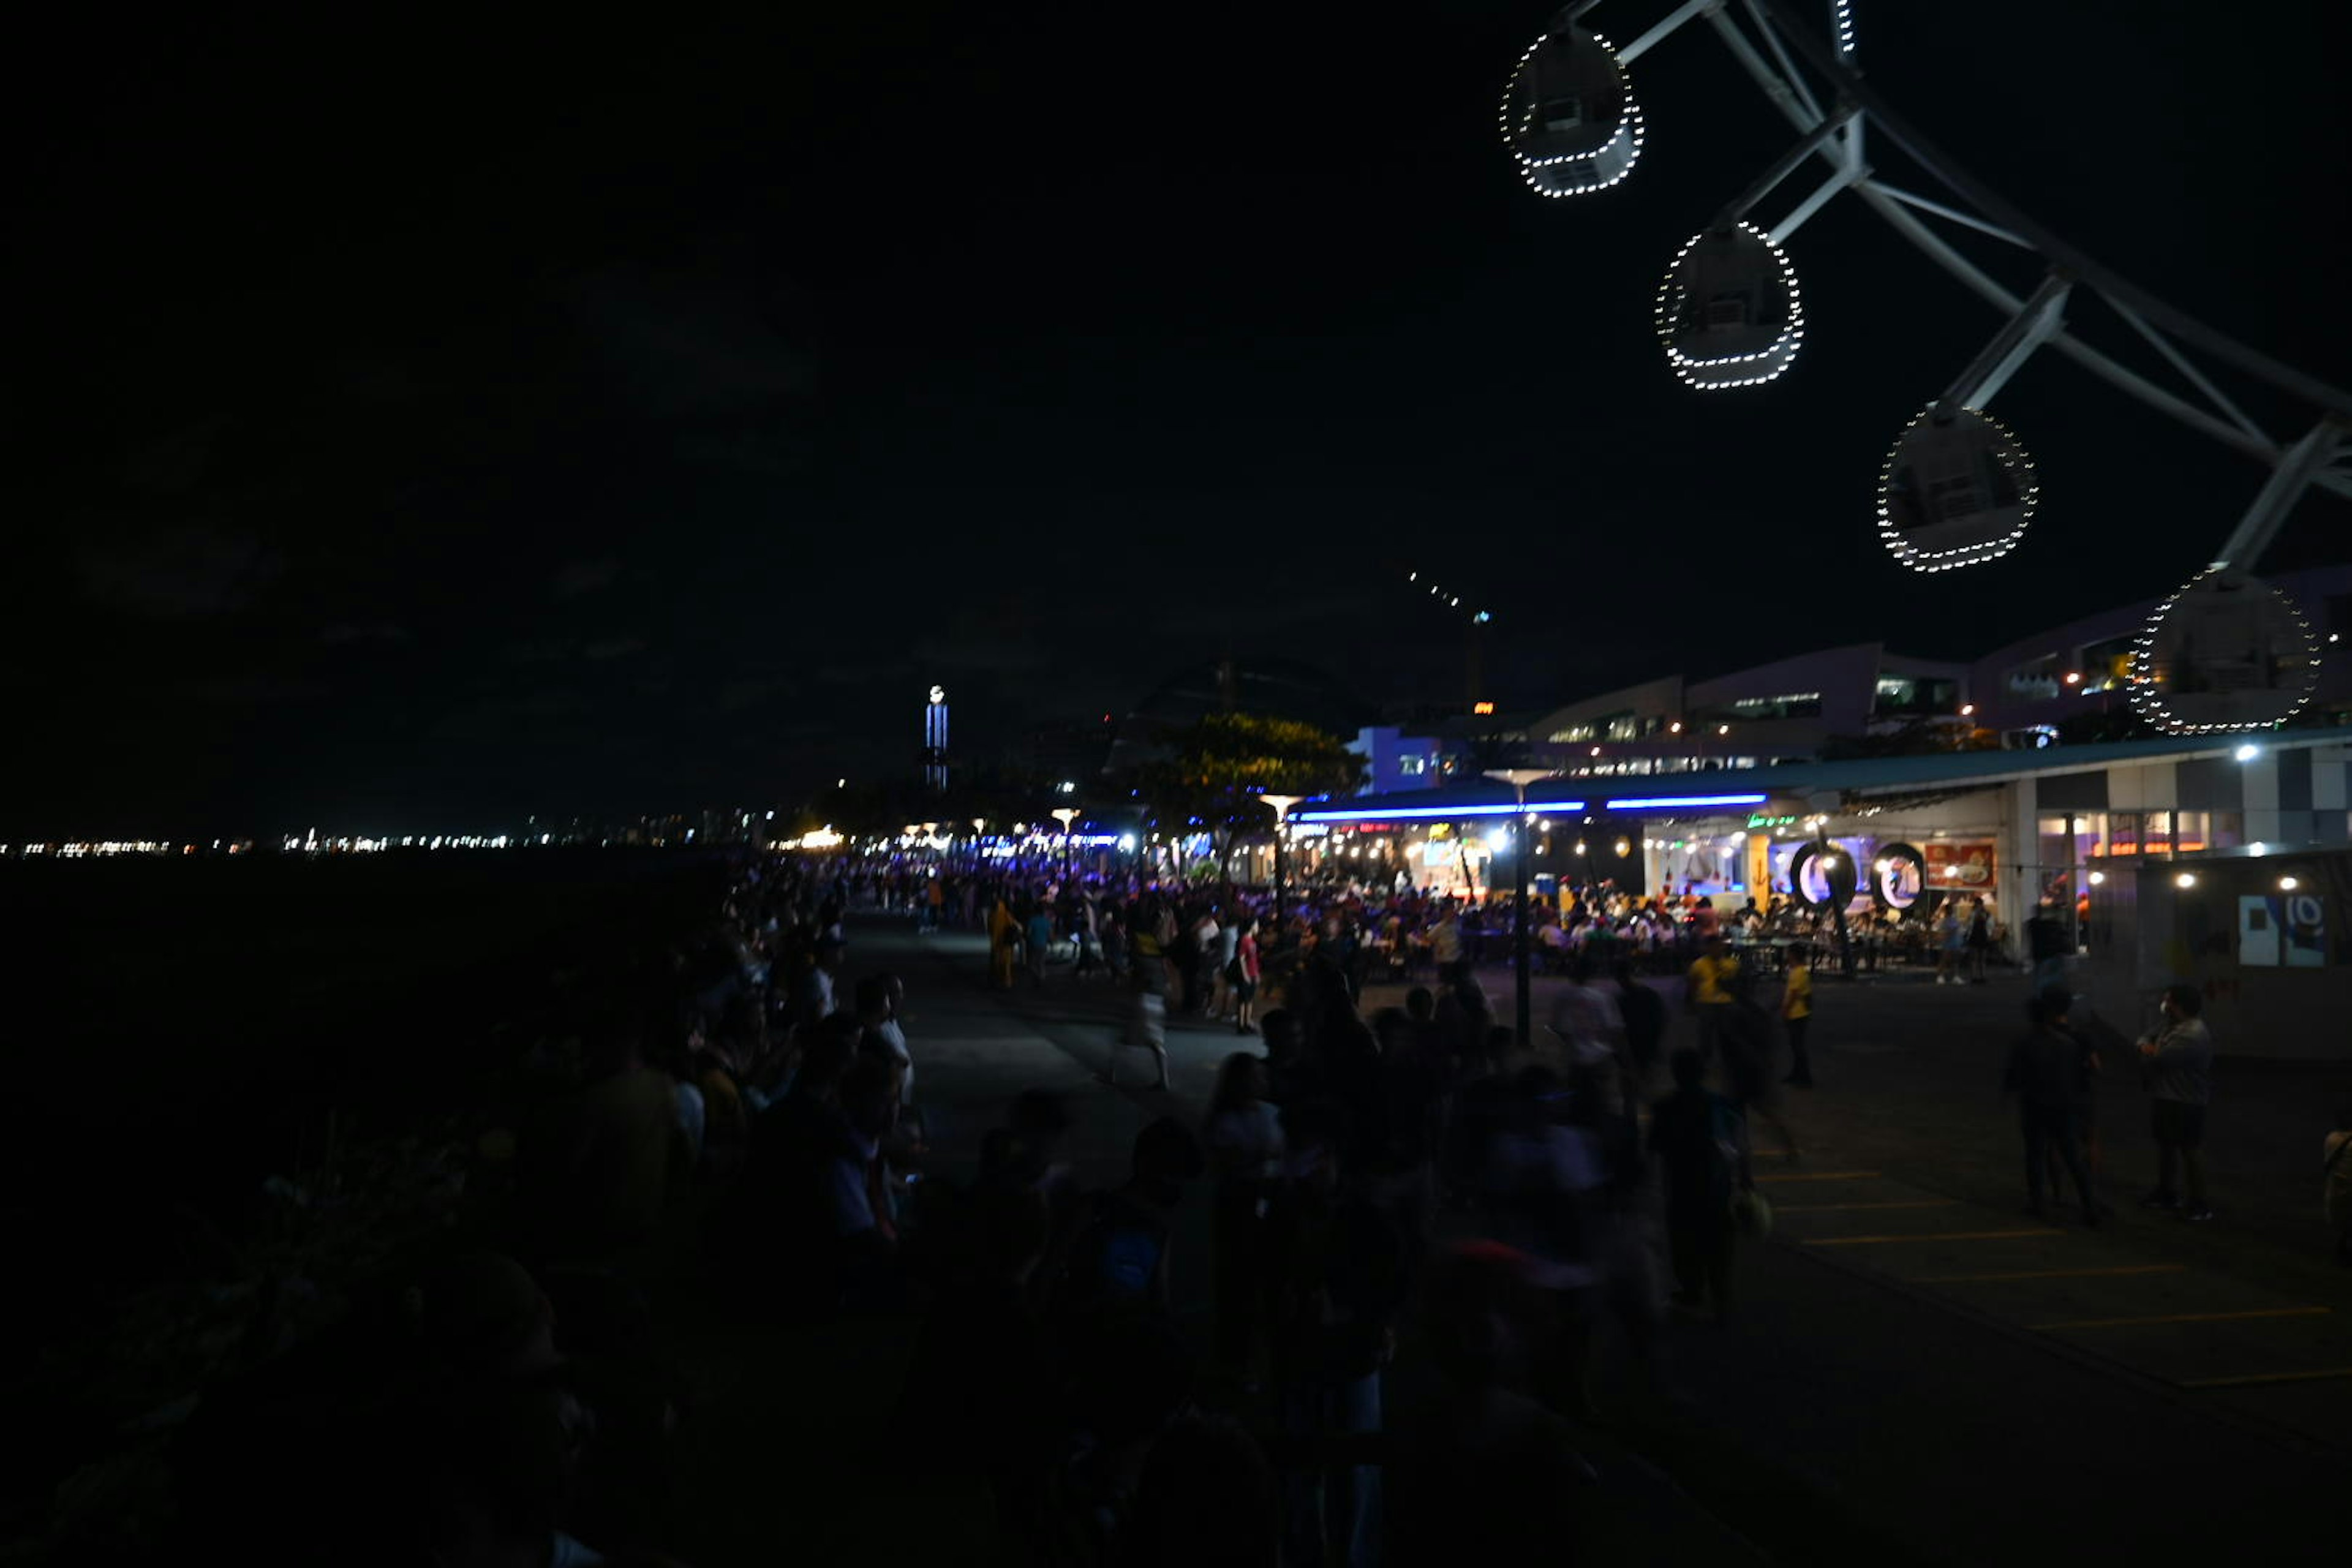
{"points": [[2037, 677], [2106, 666], [1904, 694]]}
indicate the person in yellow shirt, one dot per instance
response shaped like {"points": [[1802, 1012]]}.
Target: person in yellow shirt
{"points": [[1796, 1012], [1709, 991]]}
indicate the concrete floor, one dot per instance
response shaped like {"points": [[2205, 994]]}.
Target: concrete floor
{"points": [[1917, 1372]]}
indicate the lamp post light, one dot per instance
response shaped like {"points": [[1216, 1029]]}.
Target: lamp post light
{"points": [[1065, 814], [1518, 779], [1282, 805]]}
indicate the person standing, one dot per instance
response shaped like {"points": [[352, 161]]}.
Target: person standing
{"points": [[1150, 1027], [1949, 936], [1797, 1014], [2047, 943], [1003, 940], [1446, 940], [1980, 941], [1709, 998], [1585, 1017], [1243, 1140], [1701, 1144], [1037, 941], [2336, 1156], [1223, 992], [1644, 1011], [880, 999], [2177, 1063], [1246, 977], [1338, 1280], [2043, 1072]]}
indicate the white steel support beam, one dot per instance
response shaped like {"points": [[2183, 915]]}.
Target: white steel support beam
{"points": [[1891, 208], [1780, 56], [1966, 220], [1657, 35], [2298, 465], [2010, 347], [1777, 90], [1781, 168], [1820, 198], [2190, 331], [2179, 362]]}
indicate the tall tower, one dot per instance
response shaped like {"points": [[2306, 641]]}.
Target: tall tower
{"points": [[935, 740]]}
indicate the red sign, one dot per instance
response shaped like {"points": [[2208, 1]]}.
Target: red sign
{"points": [[1966, 867]]}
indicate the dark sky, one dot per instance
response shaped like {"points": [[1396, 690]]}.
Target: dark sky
{"points": [[420, 423]]}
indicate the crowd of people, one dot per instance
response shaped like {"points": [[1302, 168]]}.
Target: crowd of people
{"points": [[1413, 1181], [740, 1111]]}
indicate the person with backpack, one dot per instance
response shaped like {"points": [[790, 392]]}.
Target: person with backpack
{"points": [[1118, 1252], [1701, 1143]]}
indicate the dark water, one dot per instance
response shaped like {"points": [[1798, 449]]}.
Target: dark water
{"points": [[184, 1026]]}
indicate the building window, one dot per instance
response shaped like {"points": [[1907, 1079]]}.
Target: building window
{"points": [[2106, 666], [2043, 677], [1786, 705]]}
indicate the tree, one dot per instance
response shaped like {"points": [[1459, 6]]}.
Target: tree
{"points": [[1213, 771]]}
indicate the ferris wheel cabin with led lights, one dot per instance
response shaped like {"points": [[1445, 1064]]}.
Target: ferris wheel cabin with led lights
{"points": [[1958, 487]]}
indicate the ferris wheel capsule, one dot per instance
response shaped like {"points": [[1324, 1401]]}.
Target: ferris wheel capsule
{"points": [[1958, 491], [1568, 115], [1729, 311], [2227, 652]]}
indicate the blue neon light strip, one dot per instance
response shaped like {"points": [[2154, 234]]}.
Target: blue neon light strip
{"points": [[1445, 813], [1648, 802]]}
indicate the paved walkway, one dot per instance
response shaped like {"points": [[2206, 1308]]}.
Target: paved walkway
{"points": [[1917, 1372]]}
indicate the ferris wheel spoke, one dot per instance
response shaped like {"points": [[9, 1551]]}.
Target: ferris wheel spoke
{"points": [[1954, 214], [2298, 467], [1659, 33], [1781, 168], [1784, 97], [2028, 330], [2188, 371], [2186, 328], [1780, 55]]}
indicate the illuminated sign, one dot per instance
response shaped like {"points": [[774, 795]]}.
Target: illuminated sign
{"points": [[1760, 821], [1482, 708]]}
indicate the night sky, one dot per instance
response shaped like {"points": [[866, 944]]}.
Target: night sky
{"points": [[422, 423]]}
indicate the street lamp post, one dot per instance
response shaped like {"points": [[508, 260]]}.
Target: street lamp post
{"points": [[1282, 805], [1518, 779], [1065, 814]]}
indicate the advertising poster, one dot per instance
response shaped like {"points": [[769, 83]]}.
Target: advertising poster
{"points": [[2283, 929], [1965, 865], [2258, 932]]}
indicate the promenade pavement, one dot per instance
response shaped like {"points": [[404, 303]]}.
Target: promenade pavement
{"points": [[1915, 1371]]}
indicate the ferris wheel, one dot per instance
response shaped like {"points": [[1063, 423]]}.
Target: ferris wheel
{"points": [[1958, 489]]}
